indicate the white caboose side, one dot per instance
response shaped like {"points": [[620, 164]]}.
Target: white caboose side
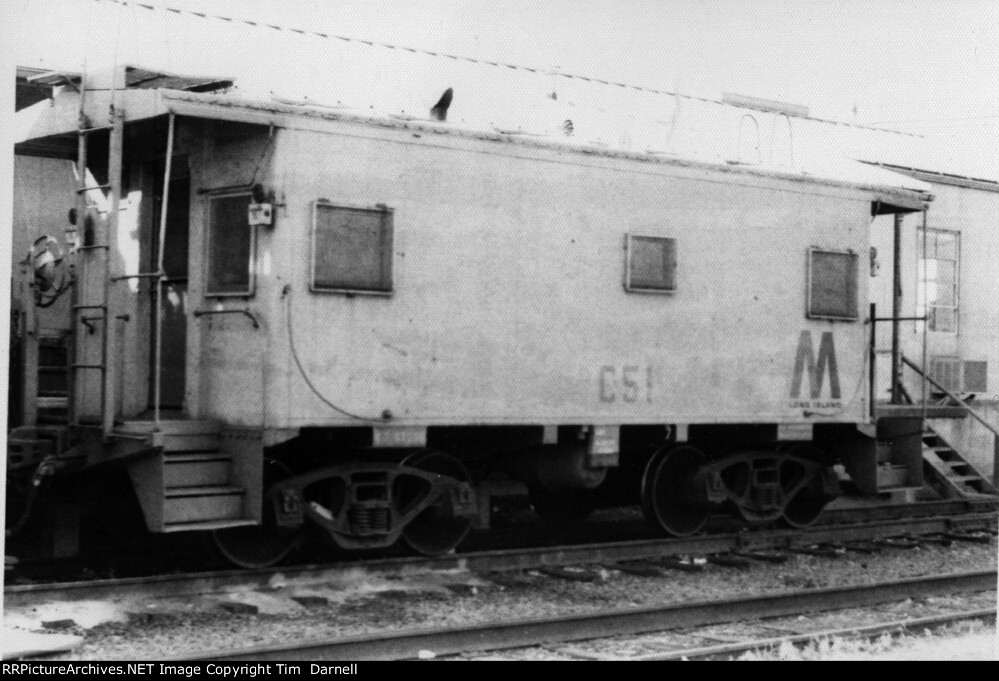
{"points": [[344, 299], [491, 280]]}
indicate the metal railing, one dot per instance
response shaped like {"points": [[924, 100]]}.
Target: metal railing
{"points": [[991, 428]]}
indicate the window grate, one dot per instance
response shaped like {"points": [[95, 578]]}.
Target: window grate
{"points": [[231, 245], [352, 249], [650, 264], [832, 284]]}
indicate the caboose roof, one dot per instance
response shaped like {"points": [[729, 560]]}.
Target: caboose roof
{"points": [[48, 128]]}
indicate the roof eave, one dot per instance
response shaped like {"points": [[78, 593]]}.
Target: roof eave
{"points": [[60, 117]]}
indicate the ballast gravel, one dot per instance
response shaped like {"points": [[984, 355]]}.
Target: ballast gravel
{"points": [[369, 604]]}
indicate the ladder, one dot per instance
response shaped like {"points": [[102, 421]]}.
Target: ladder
{"points": [[83, 309], [101, 309]]}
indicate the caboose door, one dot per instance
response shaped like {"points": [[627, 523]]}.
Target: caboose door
{"points": [[174, 286]]}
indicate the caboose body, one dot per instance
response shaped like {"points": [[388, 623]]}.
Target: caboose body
{"points": [[374, 324], [505, 299]]}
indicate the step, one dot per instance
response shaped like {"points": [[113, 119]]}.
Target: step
{"points": [[202, 504], [916, 411], [208, 525], [191, 443], [196, 470], [892, 476], [203, 491], [947, 456], [178, 435], [171, 427], [51, 402], [957, 474], [129, 436]]}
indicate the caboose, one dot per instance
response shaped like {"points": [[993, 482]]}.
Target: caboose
{"points": [[290, 319]]}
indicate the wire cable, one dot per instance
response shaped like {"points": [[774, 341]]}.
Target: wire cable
{"points": [[515, 67], [286, 294]]}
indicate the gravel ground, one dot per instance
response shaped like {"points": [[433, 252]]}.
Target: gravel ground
{"points": [[964, 641], [676, 641], [363, 603]]}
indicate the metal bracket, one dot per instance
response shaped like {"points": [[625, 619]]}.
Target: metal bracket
{"points": [[84, 190], [87, 323]]}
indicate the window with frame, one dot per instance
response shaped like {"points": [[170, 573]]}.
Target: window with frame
{"points": [[231, 246], [832, 284], [938, 279], [351, 249], [650, 264]]}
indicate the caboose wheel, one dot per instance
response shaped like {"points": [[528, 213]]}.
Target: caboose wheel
{"points": [[673, 497], [804, 509], [263, 545], [806, 505], [438, 528], [803, 489], [563, 507]]}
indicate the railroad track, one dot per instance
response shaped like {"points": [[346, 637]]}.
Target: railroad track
{"points": [[894, 628], [933, 528], [417, 643]]}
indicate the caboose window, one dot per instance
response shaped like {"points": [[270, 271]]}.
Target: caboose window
{"points": [[351, 249], [650, 265], [832, 285], [231, 244]]}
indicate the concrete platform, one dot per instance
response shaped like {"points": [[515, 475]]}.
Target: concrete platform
{"points": [[16, 644]]}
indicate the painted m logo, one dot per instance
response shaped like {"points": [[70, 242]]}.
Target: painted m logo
{"points": [[805, 360]]}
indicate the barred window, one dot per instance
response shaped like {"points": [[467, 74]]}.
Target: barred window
{"points": [[352, 249], [650, 265], [832, 285], [231, 244]]}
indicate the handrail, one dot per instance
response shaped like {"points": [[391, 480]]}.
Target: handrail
{"points": [[245, 312], [159, 275], [915, 367]]}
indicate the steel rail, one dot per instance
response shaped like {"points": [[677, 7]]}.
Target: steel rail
{"points": [[898, 627], [408, 644], [166, 586]]}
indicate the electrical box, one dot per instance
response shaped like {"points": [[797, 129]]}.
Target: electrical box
{"points": [[261, 214], [875, 263]]}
